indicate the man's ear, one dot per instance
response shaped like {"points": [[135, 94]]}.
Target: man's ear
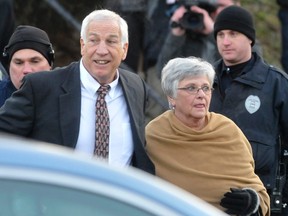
{"points": [[125, 50], [82, 44]]}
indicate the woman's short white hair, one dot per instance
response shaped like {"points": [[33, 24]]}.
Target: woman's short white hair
{"points": [[178, 69]]}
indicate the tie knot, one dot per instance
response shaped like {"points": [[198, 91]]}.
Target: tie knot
{"points": [[103, 89]]}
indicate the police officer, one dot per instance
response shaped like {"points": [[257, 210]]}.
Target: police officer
{"points": [[252, 93]]}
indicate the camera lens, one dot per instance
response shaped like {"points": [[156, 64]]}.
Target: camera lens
{"points": [[192, 21]]}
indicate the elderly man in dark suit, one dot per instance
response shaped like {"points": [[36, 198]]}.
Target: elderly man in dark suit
{"points": [[59, 106]]}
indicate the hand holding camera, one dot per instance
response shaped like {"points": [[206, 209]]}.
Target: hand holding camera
{"points": [[192, 17]]}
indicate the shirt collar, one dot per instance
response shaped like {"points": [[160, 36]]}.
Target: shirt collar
{"points": [[235, 70], [91, 84]]}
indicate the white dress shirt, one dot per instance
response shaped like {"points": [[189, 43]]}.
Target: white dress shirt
{"points": [[120, 139]]}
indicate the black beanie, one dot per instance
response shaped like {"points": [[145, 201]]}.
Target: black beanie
{"points": [[29, 37], [237, 19]]}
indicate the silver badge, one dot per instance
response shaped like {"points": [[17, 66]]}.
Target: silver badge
{"points": [[252, 103]]}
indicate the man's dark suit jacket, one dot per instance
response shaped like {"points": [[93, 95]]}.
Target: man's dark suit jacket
{"points": [[47, 108]]}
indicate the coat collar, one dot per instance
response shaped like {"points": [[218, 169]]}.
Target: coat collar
{"points": [[254, 73]]}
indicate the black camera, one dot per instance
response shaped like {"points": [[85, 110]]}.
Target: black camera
{"points": [[194, 21]]}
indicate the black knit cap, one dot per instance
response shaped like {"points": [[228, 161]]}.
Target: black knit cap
{"points": [[29, 37], [237, 19]]}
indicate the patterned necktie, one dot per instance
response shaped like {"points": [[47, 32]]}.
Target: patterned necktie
{"points": [[102, 124]]}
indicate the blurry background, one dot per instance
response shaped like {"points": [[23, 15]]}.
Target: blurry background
{"points": [[64, 35]]}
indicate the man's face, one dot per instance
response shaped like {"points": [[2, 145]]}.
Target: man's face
{"points": [[103, 51], [233, 46], [26, 61]]}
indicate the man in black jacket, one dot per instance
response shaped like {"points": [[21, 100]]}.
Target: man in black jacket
{"points": [[58, 106], [253, 94], [29, 51]]}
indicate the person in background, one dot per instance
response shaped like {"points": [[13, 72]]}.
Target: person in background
{"points": [[200, 151], [254, 95], [191, 31], [29, 50], [193, 38], [191, 28], [283, 18], [60, 106]]}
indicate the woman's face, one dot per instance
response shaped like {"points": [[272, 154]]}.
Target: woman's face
{"points": [[193, 99]]}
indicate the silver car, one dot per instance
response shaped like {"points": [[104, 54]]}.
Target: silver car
{"points": [[39, 179]]}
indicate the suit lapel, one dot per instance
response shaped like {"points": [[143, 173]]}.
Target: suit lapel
{"points": [[134, 95], [70, 106], [131, 98]]}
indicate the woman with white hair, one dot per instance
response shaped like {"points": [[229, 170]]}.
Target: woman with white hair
{"points": [[200, 151]]}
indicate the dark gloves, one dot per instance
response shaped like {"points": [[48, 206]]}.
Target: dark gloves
{"points": [[240, 201]]}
